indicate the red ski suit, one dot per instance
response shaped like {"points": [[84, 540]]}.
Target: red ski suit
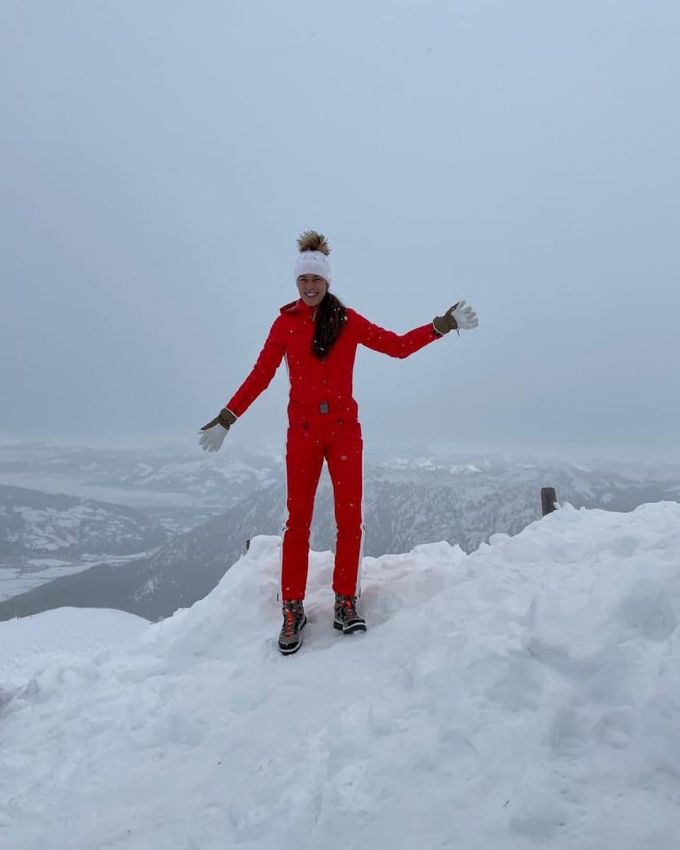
{"points": [[322, 423]]}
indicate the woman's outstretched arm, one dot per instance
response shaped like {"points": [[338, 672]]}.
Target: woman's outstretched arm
{"points": [[402, 345], [268, 361], [213, 434], [389, 342]]}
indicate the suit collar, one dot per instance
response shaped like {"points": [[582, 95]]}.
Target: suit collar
{"points": [[298, 306]]}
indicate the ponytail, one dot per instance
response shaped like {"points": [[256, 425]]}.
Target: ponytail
{"points": [[330, 320]]}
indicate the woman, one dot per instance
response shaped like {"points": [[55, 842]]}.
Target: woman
{"points": [[318, 336]]}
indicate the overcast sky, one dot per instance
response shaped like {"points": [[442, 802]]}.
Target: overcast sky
{"points": [[159, 159]]}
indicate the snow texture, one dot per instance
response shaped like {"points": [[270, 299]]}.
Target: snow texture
{"points": [[526, 695]]}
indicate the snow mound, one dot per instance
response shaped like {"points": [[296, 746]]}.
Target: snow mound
{"points": [[525, 695], [31, 643]]}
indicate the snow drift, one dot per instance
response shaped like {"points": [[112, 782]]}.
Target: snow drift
{"points": [[525, 695]]}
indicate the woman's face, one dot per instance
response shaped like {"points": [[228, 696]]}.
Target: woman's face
{"points": [[312, 288]]}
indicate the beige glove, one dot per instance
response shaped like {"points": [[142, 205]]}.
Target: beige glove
{"points": [[213, 434], [456, 317]]}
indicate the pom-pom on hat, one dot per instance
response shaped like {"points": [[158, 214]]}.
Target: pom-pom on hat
{"points": [[313, 256]]}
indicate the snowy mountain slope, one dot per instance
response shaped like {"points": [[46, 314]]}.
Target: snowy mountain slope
{"points": [[525, 695], [151, 586], [22, 575], [34, 523]]}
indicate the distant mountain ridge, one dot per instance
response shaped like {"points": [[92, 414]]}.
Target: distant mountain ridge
{"points": [[149, 478], [33, 523], [407, 502]]}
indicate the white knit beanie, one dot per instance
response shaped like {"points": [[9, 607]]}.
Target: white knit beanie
{"points": [[313, 256], [313, 262]]}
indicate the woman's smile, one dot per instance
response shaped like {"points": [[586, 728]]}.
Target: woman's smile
{"points": [[312, 288]]}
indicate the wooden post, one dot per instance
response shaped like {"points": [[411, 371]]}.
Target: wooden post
{"points": [[548, 499]]}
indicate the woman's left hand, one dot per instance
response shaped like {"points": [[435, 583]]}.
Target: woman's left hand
{"points": [[457, 317]]}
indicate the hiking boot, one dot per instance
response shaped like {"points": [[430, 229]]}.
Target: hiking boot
{"points": [[294, 619], [346, 617]]}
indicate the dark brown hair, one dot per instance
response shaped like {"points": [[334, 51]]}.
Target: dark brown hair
{"points": [[330, 320]]}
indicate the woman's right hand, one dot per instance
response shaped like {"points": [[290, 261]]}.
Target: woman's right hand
{"points": [[213, 434]]}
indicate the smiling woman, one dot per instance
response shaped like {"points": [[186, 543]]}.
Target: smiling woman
{"points": [[313, 282], [318, 336]]}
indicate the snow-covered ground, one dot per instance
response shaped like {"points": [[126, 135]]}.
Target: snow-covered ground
{"points": [[524, 696], [50, 639]]}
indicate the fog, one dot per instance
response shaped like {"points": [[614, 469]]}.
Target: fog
{"points": [[159, 160]]}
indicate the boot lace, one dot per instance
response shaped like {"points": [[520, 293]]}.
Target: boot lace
{"points": [[346, 606], [291, 616]]}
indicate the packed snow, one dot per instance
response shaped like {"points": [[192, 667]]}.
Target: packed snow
{"points": [[526, 695], [30, 644]]}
